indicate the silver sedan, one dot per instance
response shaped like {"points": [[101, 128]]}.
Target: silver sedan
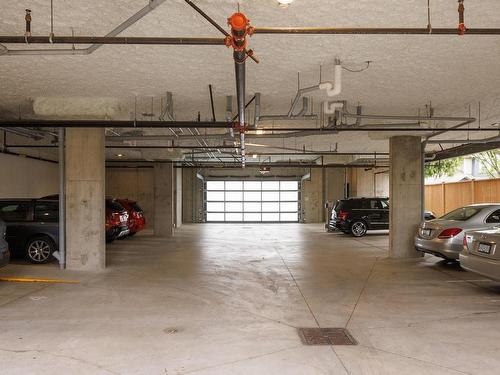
{"points": [[481, 253], [444, 236]]}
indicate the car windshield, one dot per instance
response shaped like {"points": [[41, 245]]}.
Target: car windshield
{"points": [[461, 214], [114, 206], [136, 207]]}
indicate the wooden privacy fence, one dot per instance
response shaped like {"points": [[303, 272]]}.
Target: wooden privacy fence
{"points": [[442, 198]]}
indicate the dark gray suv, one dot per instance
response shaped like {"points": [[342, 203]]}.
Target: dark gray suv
{"points": [[358, 215], [32, 227], [4, 247]]}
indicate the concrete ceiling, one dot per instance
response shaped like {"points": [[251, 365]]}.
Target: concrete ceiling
{"points": [[407, 72]]}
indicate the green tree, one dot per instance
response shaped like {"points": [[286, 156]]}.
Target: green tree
{"points": [[490, 161], [440, 168]]}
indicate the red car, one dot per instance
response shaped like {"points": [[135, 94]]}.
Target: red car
{"points": [[117, 219], [136, 219]]}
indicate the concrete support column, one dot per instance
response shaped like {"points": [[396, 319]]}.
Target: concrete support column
{"points": [[85, 210], [405, 189], [178, 197], [164, 200]]}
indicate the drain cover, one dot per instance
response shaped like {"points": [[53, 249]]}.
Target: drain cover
{"points": [[326, 336]]}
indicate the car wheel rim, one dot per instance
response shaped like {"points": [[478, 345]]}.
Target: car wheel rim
{"points": [[358, 229], [39, 251]]}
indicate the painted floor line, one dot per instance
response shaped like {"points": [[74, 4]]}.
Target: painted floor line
{"points": [[38, 280]]}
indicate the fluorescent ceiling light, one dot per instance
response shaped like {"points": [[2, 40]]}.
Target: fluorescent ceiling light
{"points": [[285, 3]]}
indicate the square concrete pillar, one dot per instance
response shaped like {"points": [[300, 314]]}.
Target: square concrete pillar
{"points": [[164, 199], [85, 207], [178, 197], [405, 190]]}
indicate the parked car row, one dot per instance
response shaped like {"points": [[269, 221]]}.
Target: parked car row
{"points": [[444, 237], [30, 227], [469, 234]]}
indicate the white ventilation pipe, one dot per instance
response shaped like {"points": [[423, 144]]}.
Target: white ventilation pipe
{"points": [[333, 89]]}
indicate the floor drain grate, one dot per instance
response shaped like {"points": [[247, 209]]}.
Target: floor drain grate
{"points": [[326, 336]]}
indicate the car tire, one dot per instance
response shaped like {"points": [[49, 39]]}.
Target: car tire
{"points": [[358, 228], [39, 249]]}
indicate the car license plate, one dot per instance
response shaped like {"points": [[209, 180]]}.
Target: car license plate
{"points": [[426, 232], [484, 248]]}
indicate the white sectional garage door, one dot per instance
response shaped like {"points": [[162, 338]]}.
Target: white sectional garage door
{"points": [[252, 201]]}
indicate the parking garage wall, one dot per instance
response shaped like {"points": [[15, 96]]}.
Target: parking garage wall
{"points": [[373, 182], [135, 184], [27, 178]]}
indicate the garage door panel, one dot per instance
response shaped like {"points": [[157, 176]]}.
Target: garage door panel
{"points": [[270, 196], [215, 216], [233, 216], [252, 207], [252, 216], [252, 201]]}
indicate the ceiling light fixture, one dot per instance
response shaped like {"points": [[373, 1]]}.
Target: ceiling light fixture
{"points": [[119, 155], [285, 3]]}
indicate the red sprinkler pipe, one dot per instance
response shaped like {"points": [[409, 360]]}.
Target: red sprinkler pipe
{"points": [[240, 29], [461, 19]]}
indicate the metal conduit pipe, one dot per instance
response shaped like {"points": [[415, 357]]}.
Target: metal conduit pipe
{"points": [[455, 127], [285, 117], [152, 4], [14, 39], [112, 124], [299, 94], [257, 110], [62, 200], [22, 132], [363, 129], [463, 141], [374, 31], [239, 68], [408, 118]]}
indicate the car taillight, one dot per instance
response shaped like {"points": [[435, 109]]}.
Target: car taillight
{"points": [[449, 233], [343, 215], [115, 218]]}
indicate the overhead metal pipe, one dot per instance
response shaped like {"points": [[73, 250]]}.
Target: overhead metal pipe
{"points": [[166, 147], [455, 127], [239, 67], [374, 31], [217, 26], [14, 39], [112, 124], [463, 141], [363, 129], [409, 118], [62, 200], [286, 117], [22, 132], [151, 5]]}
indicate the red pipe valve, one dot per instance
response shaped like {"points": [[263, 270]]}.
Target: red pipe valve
{"points": [[461, 19], [240, 29], [239, 127]]}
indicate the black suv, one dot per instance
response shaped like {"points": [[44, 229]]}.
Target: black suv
{"points": [[32, 227], [357, 215]]}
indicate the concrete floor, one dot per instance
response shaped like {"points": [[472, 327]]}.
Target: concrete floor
{"points": [[226, 299]]}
